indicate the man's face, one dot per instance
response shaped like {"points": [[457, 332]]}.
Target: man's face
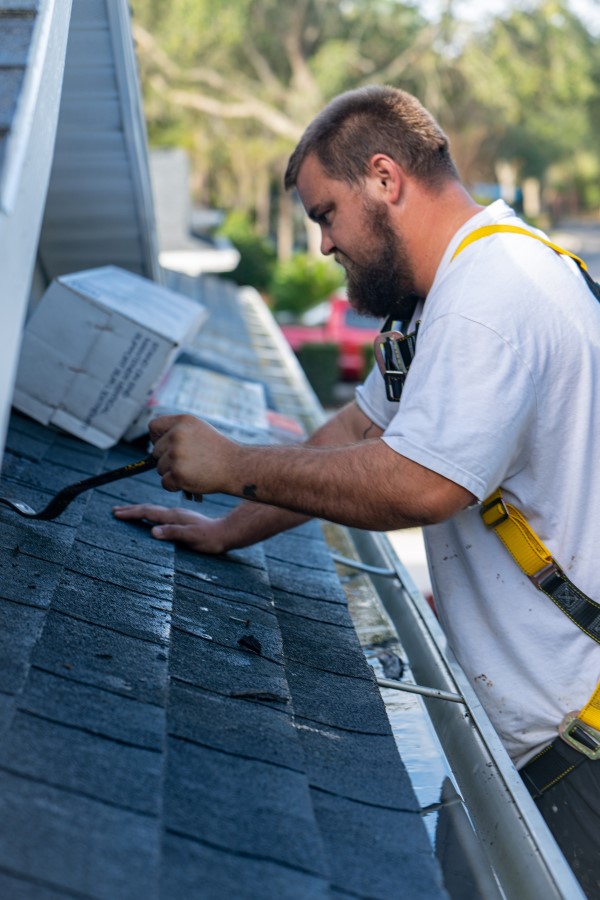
{"points": [[357, 230], [381, 275]]}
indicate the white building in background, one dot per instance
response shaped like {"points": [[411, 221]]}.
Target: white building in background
{"points": [[186, 238]]}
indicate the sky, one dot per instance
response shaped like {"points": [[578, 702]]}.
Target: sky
{"points": [[587, 10]]}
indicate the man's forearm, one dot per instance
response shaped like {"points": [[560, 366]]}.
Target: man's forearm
{"points": [[365, 485], [251, 522], [338, 476], [207, 453]]}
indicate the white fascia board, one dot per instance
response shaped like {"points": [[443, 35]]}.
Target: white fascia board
{"points": [[25, 177], [43, 77], [134, 128]]}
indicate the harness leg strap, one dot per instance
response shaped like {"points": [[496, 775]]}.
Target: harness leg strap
{"points": [[549, 766]]}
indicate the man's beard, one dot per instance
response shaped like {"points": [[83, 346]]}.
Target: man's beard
{"points": [[385, 285]]}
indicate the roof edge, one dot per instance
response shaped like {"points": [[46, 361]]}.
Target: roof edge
{"points": [[134, 128], [45, 68]]}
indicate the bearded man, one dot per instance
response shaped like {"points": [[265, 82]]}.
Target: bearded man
{"points": [[501, 393]]}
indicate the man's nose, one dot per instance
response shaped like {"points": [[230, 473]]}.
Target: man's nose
{"points": [[327, 245]]}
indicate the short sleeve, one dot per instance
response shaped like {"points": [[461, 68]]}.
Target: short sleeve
{"points": [[372, 400], [468, 408]]}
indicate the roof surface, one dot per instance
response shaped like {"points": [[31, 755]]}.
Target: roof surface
{"points": [[179, 725]]}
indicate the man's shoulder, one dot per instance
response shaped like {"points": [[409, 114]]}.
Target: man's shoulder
{"points": [[493, 232], [506, 266]]}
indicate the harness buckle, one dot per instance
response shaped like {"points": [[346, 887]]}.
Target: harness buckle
{"points": [[538, 578], [394, 382], [580, 735], [394, 352], [497, 506]]}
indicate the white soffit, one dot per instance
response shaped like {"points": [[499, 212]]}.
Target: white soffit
{"points": [[99, 209]]}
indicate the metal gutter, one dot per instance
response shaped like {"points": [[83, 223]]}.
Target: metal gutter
{"points": [[525, 857]]}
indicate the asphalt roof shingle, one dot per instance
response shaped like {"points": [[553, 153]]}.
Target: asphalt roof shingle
{"points": [[202, 726], [181, 725]]}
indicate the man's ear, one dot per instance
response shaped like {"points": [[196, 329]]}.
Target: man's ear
{"points": [[387, 177]]}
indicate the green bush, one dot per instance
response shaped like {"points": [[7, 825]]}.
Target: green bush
{"points": [[320, 364], [302, 282], [369, 358], [257, 256]]}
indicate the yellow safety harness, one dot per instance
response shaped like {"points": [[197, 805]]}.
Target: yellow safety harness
{"points": [[581, 730]]}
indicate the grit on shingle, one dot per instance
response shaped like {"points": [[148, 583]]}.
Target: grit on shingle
{"points": [[174, 724]]}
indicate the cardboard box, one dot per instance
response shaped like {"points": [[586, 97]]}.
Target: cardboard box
{"points": [[95, 347]]}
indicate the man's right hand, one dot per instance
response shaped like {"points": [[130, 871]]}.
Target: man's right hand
{"points": [[195, 531]]}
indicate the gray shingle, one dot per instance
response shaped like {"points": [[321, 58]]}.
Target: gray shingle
{"points": [[16, 38], [332, 648], [11, 81], [74, 843], [86, 763], [94, 710], [27, 579], [336, 760], [202, 662], [262, 730], [312, 609], [111, 606], [369, 847], [247, 806], [104, 658], [20, 627], [230, 623], [25, 889], [198, 871], [119, 569], [135, 712]]}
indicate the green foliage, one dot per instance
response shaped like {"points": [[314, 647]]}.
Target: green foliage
{"points": [[530, 78], [257, 256], [320, 364], [581, 176], [237, 81], [302, 282], [369, 358], [234, 74]]}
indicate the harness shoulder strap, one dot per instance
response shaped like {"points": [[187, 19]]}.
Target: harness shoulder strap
{"points": [[486, 230], [535, 560], [579, 729]]}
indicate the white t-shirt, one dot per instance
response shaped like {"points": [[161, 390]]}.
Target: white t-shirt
{"points": [[504, 391]]}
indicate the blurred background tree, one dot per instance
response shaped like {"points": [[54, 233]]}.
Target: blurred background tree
{"points": [[532, 80], [235, 82]]}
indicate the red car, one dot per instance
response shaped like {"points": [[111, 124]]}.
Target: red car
{"points": [[334, 321]]}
